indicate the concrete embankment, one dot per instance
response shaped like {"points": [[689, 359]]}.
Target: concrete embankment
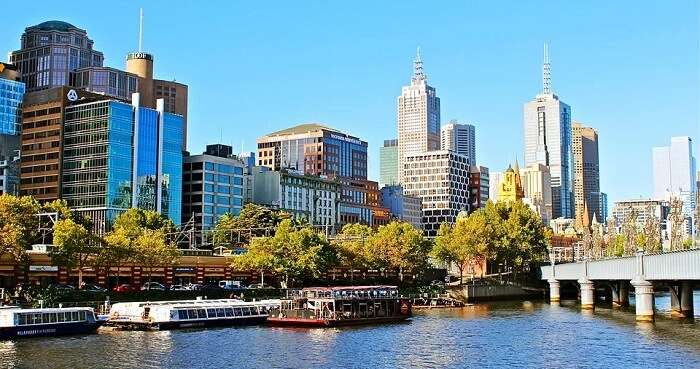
{"points": [[471, 293]]}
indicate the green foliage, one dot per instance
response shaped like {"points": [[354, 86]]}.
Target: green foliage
{"points": [[253, 221], [352, 246], [74, 246], [466, 243], [400, 246], [18, 225]]}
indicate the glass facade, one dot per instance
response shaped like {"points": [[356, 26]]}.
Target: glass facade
{"points": [[11, 95], [98, 156], [106, 81]]}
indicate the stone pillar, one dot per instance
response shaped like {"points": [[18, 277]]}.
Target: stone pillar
{"points": [[686, 297], [644, 299], [587, 293], [553, 291]]}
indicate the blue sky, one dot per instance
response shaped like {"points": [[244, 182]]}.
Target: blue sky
{"points": [[630, 69]]}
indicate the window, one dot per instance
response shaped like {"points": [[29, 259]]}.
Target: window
{"points": [[209, 177], [201, 313], [208, 187], [191, 314], [237, 181], [237, 311], [182, 314], [209, 166], [229, 312], [211, 313], [223, 178]]}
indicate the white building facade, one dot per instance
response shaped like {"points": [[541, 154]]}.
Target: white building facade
{"points": [[537, 188], [460, 138], [673, 176]]}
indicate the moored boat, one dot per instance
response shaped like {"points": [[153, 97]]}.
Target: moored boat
{"points": [[341, 306], [16, 322], [188, 313]]}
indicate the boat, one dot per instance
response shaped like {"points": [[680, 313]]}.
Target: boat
{"points": [[341, 306], [16, 322], [163, 315]]}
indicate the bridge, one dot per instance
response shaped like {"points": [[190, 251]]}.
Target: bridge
{"points": [[678, 271]]}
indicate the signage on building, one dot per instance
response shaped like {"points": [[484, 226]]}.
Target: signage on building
{"points": [[72, 95], [347, 139], [43, 268], [184, 270]]}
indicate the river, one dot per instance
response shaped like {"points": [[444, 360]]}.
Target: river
{"points": [[504, 334]]}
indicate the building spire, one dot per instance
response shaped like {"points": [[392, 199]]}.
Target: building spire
{"points": [[418, 74], [140, 29], [546, 72]]}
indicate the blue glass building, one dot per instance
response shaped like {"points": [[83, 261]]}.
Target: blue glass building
{"points": [[11, 95], [117, 156]]}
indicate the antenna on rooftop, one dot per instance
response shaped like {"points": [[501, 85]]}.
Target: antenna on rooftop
{"points": [[140, 29]]}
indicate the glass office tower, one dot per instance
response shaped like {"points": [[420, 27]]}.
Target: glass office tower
{"points": [[103, 175]]}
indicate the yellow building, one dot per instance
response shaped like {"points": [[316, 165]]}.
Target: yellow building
{"points": [[511, 188]]}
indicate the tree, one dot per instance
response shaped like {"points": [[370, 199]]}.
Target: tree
{"points": [[153, 249], [464, 244], [258, 257], [18, 225], [351, 244], [115, 251], [400, 246], [74, 246], [253, 221]]}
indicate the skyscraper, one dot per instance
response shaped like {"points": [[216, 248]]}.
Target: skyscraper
{"points": [[459, 138], [537, 189], [11, 95], [586, 174], [547, 129], [389, 163], [418, 117], [50, 51], [673, 169]]}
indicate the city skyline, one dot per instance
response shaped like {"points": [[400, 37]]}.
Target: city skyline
{"points": [[479, 80]]}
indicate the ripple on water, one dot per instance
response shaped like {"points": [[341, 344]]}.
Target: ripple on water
{"points": [[512, 335]]}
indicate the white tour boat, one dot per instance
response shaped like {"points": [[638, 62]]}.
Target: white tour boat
{"points": [[189, 313], [16, 322]]}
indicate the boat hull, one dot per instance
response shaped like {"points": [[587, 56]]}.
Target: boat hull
{"points": [[302, 322], [47, 330], [189, 324]]}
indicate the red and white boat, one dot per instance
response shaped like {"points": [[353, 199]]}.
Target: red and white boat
{"points": [[341, 306]]}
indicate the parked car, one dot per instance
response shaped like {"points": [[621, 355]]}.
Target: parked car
{"points": [[437, 283], [178, 287], [153, 286], [62, 287], [89, 287], [193, 287], [125, 288], [260, 286], [231, 285]]}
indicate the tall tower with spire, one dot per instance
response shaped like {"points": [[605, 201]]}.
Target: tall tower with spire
{"points": [[418, 116], [547, 139]]}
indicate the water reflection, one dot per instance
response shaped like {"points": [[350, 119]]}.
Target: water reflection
{"points": [[515, 334]]}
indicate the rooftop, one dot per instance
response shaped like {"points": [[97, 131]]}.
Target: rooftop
{"points": [[54, 25], [302, 128]]}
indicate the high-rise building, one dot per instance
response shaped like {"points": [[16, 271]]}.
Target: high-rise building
{"points": [[511, 188], [643, 209], [212, 185], [118, 156], [42, 139], [106, 81], [603, 207], [460, 138], [479, 186], [50, 51], [586, 174], [673, 169], [403, 207], [537, 189], [11, 95], [495, 179], [173, 94], [314, 149], [441, 180], [418, 117], [547, 128], [360, 202], [389, 163]]}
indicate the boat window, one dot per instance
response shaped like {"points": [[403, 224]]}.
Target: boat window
{"points": [[238, 311], [247, 311], [229, 311], [220, 312], [201, 313], [52, 318], [22, 319], [36, 318], [82, 315], [60, 317], [182, 314], [211, 313], [192, 314], [74, 316]]}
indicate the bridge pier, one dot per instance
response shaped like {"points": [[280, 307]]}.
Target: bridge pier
{"points": [[644, 299], [587, 294], [681, 299], [554, 290], [620, 294]]}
